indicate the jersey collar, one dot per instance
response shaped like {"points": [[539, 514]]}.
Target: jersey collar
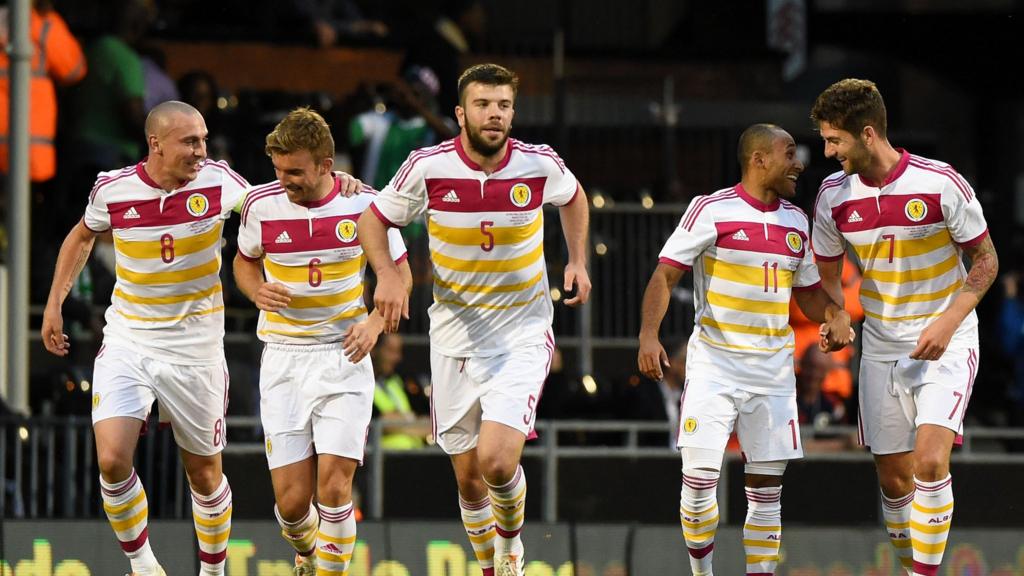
{"points": [[140, 171], [901, 167], [757, 204], [473, 165], [330, 195]]}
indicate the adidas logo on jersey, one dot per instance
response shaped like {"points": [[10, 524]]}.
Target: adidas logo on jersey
{"points": [[283, 238], [855, 217], [451, 196], [741, 235], [131, 214]]}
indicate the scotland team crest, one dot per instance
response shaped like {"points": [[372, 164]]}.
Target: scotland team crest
{"points": [[916, 210], [270, 447], [520, 195], [794, 241], [346, 230], [690, 425], [197, 205]]}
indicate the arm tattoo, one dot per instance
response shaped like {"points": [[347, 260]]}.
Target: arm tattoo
{"points": [[984, 268], [83, 258]]}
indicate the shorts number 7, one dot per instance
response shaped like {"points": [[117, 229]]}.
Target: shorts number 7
{"points": [[959, 397]]}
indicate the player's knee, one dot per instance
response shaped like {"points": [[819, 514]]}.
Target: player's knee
{"points": [[497, 470], [204, 480], [293, 507], [115, 465], [335, 491], [930, 467]]}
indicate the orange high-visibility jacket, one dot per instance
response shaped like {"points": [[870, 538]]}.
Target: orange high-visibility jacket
{"points": [[56, 57]]}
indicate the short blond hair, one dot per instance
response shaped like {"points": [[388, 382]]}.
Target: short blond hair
{"points": [[302, 129]]}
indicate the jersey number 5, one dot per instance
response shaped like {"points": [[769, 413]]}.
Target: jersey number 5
{"points": [[489, 244]]}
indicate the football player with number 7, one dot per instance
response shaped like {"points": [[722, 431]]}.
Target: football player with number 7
{"points": [[910, 220]]}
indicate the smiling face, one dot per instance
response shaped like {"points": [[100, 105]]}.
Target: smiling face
{"points": [[181, 144], [486, 116], [302, 178], [782, 167], [849, 150]]}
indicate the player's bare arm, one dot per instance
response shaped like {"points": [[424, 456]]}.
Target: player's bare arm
{"points": [[74, 253], [934, 339], [361, 337], [832, 279], [267, 296], [835, 329], [652, 356], [390, 297], [575, 218]]}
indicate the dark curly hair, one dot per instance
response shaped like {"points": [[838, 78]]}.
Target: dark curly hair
{"points": [[850, 105]]}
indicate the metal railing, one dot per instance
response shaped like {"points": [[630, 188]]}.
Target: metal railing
{"points": [[48, 467]]}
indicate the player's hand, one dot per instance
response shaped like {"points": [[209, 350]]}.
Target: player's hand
{"points": [[54, 338], [360, 338], [350, 185], [576, 275], [272, 297], [836, 334], [652, 358], [934, 339], [391, 299]]}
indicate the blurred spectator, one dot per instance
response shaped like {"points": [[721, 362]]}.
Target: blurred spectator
{"points": [[817, 409], [57, 60], [436, 34], [838, 382], [109, 105], [392, 397], [159, 86], [199, 88], [1011, 327], [334, 22], [403, 119]]}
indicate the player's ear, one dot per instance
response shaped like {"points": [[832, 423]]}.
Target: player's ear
{"points": [[868, 134], [460, 116]]}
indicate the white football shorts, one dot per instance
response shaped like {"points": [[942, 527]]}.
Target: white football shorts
{"points": [[768, 427], [193, 399], [504, 388], [313, 400], [898, 396]]}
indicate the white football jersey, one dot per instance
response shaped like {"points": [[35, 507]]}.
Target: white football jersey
{"points": [[907, 233], [486, 234], [167, 301], [313, 249], [747, 257]]}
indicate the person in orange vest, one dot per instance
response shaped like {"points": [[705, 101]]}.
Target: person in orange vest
{"points": [[56, 59]]}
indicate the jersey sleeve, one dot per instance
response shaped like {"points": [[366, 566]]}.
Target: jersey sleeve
{"points": [[962, 211], [97, 217], [562, 185], [826, 241], [233, 190], [404, 198], [695, 233], [396, 245], [250, 236]]}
